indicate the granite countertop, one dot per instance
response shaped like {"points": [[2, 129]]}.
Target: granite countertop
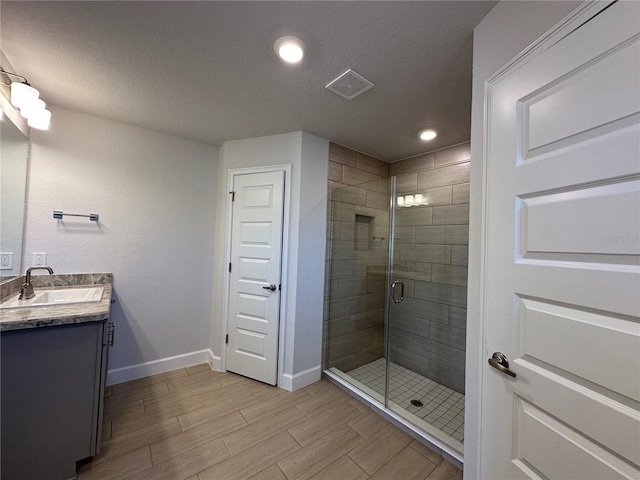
{"points": [[24, 318]]}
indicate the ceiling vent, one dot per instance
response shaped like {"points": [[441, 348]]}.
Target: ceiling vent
{"points": [[349, 85]]}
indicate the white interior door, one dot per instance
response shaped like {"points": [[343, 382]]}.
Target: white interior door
{"points": [[254, 293], [561, 257]]}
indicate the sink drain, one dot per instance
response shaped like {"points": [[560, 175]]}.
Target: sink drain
{"points": [[417, 403]]}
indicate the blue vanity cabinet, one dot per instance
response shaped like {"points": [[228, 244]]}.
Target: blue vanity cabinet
{"points": [[52, 393]]}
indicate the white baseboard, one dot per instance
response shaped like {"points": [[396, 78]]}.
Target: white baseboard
{"points": [[215, 362], [162, 365], [301, 379]]}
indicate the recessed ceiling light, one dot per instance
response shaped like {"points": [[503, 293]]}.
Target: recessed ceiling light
{"points": [[427, 135], [289, 49]]}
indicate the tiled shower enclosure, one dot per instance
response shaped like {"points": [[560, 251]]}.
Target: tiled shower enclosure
{"points": [[429, 246]]}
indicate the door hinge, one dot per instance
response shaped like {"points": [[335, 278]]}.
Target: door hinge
{"points": [[229, 266], [280, 287], [233, 196], [226, 340]]}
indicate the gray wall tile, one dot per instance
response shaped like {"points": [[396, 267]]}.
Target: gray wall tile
{"points": [[404, 235], [461, 193], [449, 156], [449, 274], [443, 234], [438, 196], [408, 359], [447, 375], [437, 312], [433, 235], [368, 319], [335, 172], [381, 216], [439, 292], [426, 253], [409, 217], [440, 177], [400, 339], [346, 306], [411, 165], [373, 185], [377, 200], [343, 155], [459, 255], [343, 212], [351, 195], [333, 185], [372, 165], [348, 287], [346, 232], [409, 323], [406, 183], [451, 215], [353, 176], [341, 269], [343, 250], [454, 337], [374, 301], [438, 351], [458, 317]]}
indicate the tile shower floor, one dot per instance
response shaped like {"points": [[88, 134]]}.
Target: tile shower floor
{"points": [[442, 407]]}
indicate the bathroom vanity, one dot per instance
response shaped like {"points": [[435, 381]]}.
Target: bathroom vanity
{"points": [[54, 361]]}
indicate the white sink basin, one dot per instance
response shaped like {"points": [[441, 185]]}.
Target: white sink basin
{"points": [[65, 296]]}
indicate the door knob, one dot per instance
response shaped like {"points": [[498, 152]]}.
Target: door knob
{"points": [[271, 287], [500, 362]]}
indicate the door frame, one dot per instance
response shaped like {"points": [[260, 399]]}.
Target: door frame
{"points": [[284, 265], [476, 365]]}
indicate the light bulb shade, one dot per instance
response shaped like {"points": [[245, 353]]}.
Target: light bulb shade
{"points": [[289, 49], [400, 201], [22, 94], [32, 108], [418, 198], [408, 199], [40, 119]]}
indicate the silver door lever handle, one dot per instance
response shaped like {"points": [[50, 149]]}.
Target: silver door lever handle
{"points": [[500, 362], [271, 287]]}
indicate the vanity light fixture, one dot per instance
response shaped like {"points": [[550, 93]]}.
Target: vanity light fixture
{"points": [[25, 98], [290, 49], [427, 135], [411, 200]]}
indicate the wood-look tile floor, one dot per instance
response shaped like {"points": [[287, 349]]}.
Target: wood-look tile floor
{"points": [[196, 424]]}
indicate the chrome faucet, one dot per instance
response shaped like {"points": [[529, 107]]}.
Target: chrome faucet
{"points": [[26, 292]]}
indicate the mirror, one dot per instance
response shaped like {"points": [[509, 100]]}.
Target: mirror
{"points": [[14, 154]]}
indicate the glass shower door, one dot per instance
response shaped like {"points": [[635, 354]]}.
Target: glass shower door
{"points": [[425, 349], [357, 272]]}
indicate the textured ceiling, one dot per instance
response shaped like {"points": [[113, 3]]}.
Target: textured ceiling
{"points": [[207, 70]]}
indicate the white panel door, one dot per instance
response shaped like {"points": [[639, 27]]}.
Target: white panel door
{"points": [[561, 257], [254, 293]]}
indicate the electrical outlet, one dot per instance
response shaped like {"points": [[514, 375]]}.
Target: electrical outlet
{"points": [[6, 260], [39, 260]]}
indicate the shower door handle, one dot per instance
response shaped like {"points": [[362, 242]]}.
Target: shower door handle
{"points": [[394, 297]]}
